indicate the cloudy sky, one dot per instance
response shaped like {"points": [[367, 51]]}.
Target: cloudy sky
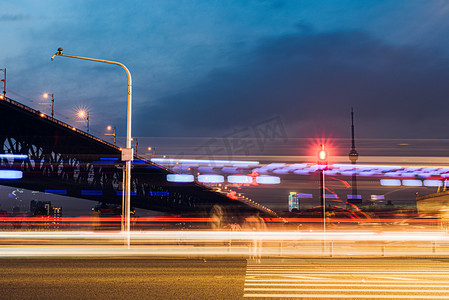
{"points": [[206, 68]]}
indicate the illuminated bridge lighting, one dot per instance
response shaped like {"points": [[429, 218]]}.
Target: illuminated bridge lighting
{"points": [[203, 162], [390, 182], [371, 167], [56, 192], [120, 193], [411, 182], [330, 196], [210, 178], [11, 174], [354, 197], [268, 180], [377, 197], [305, 196], [14, 156], [240, 179], [92, 192], [433, 183], [180, 178]]}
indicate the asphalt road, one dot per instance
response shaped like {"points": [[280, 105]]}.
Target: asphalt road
{"points": [[227, 278], [121, 278]]}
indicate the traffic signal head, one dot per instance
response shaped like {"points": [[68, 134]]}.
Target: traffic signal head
{"points": [[322, 156]]}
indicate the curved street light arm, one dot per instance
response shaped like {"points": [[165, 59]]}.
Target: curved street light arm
{"points": [[127, 190]]}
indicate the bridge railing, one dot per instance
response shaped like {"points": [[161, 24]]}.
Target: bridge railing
{"points": [[42, 115]]}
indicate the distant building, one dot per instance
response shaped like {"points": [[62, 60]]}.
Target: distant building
{"points": [[44, 208], [293, 201], [40, 208]]}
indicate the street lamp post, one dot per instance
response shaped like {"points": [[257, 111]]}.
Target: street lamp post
{"points": [[83, 114], [46, 96], [322, 162], [135, 143], [127, 153], [113, 132], [152, 151], [4, 84]]}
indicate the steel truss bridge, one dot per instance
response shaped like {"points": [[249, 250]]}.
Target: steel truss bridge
{"points": [[65, 160]]}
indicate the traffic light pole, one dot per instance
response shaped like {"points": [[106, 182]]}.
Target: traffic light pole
{"points": [[322, 198], [322, 162]]}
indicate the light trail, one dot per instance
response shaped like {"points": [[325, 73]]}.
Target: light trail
{"points": [[208, 236]]}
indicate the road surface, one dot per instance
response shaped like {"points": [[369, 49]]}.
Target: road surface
{"points": [[227, 278]]}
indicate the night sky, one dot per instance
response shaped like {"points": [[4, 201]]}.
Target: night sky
{"points": [[206, 68]]}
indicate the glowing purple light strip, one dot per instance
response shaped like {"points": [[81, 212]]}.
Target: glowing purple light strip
{"points": [[180, 178], [240, 179], [268, 180], [390, 182], [203, 162], [14, 156], [11, 174], [411, 182], [305, 196], [433, 183], [210, 178]]}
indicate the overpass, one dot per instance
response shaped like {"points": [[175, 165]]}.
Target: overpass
{"points": [[62, 159]]}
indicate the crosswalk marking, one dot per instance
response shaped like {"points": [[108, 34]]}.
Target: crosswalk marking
{"points": [[337, 284], [372, 279], [345, 289], [343, 272], [429, 273], [339, 296], [355, 280]]}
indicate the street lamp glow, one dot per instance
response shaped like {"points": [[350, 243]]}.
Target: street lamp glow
{"points": [[114, 132], [84, 115], [152, 151], [51, 103]]}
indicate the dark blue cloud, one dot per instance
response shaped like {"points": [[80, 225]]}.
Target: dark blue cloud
{"points": [[311, 80]]}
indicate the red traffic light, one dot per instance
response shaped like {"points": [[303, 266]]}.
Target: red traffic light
{"points": [[322, 156]]}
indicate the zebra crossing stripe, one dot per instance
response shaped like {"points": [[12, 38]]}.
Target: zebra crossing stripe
{"points": [[339, 296], [343, 289], [445, 286]]}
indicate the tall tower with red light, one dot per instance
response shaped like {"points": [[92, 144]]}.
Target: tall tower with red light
{"points": [[353, 156]]}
